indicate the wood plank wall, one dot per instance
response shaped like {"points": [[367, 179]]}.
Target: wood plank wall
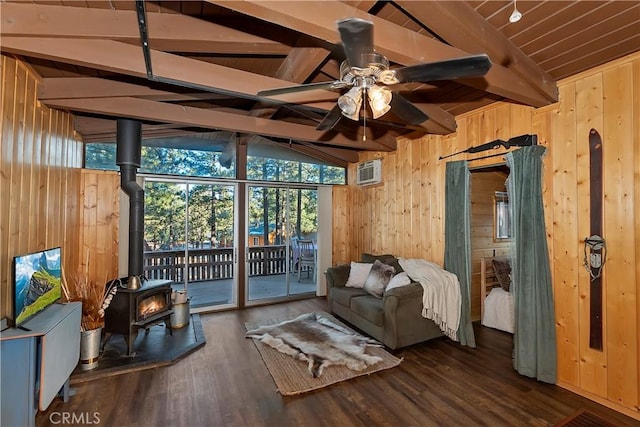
{"points": [[98, 225], [40, 157], [483, 188], [405, 215]]}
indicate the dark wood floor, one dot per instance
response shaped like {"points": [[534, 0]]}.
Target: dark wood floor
{"points": [[225, 383]]}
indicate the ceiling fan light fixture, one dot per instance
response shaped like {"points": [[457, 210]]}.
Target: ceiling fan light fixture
{"points": [[379, 100], [351, 102], [515, 15]]}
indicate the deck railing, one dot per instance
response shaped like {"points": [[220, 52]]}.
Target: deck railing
{"points": [[213, 264]]}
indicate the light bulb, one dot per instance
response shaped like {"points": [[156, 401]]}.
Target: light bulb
{"points": [[515, 15], [379, 99], [351, 102]]}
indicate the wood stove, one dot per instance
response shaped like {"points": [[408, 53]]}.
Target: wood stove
{"points": [[134, 309]]}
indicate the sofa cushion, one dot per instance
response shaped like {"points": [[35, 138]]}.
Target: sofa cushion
{"points": [[378, 279], [399, 280], [368, 307], [358, 274], [385, 259], [343, 295]]}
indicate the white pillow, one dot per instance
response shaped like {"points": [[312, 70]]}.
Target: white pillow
{"points": [[400, 279], [358, 274]]}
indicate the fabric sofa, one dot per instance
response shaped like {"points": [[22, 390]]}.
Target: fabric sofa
{"points": [[395, 319]]}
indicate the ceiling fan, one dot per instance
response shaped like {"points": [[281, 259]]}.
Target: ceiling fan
{"points": [[366, 74]]}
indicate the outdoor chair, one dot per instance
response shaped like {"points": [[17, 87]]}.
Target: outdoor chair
{"points": [[306, 257]]}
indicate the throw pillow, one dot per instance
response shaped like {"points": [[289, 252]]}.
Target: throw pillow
{"points": [[502, 268], [378, 279], [385, 259], [358, 274], [400, 279]]}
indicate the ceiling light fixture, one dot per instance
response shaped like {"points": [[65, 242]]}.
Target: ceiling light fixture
{"points": [[351, 102], [515, 15], [379, 99]]}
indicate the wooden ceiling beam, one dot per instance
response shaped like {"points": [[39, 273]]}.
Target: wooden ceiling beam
{"points": [[399, 44], [96, 87], [143, 109], [440, 122], [126, 59], [301, 63], [167, 31], [447, 18], [337, 156], [92, 87], [105, 129]]}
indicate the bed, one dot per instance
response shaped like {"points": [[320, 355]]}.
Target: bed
{"points": [[496, 302]]}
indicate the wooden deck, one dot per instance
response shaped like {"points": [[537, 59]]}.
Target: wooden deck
{"points": [[219, 292]]}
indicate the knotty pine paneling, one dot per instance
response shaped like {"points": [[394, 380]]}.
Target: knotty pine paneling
{"points": [[98, 225], [40, 157], [408, 208]]}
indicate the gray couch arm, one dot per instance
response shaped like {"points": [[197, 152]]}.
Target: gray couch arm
{"points": [[337, 276], [414, 290], [403, 319]]}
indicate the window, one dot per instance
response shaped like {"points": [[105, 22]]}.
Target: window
{"points": [[164, 160], [501, 216], [268, 160], [215, 158]]}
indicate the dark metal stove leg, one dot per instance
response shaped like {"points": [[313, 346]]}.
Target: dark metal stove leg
{"points": [[130, 340]]}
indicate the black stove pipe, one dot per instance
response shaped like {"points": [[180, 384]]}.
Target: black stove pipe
{"points": [[128, 155]]}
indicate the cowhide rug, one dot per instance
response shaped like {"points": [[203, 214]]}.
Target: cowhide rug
{"points": [[316, 339]]}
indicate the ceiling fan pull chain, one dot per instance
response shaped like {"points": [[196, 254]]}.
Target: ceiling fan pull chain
{"points": [[364, 114]]}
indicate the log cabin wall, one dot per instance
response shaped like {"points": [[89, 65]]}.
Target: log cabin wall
{"points": [[40, 177], [405, 215], [484, 184]]}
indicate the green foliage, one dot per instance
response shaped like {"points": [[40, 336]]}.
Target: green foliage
{"points": [[211, 206], [49, 297], [100, 156]]}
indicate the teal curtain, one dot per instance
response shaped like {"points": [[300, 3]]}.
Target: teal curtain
{"points": [[535, 352], [457, 238]]}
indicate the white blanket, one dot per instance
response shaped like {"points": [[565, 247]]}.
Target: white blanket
{"points": [[498, 310], [441, 297]]}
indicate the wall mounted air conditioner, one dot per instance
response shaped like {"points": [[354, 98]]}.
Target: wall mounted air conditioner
{"points": [[369, 172]]}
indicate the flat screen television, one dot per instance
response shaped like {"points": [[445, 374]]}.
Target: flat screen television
{"points": [[36, 283]]}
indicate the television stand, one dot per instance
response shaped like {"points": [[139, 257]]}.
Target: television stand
{"points": [[37, 361]]}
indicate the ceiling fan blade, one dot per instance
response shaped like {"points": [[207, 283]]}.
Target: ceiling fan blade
{"points": [[404, 109], [331, 119], [300, 88], [469, 66], [357, 39]]}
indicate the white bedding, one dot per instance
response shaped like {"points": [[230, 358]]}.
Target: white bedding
{"points": [[441, 297], [498, 310]]}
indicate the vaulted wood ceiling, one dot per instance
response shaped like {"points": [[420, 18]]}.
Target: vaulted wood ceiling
{"points": [[210, 58]]}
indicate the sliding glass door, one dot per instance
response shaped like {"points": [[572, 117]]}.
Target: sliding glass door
{"points": [[190, 239], [277, 218]]}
